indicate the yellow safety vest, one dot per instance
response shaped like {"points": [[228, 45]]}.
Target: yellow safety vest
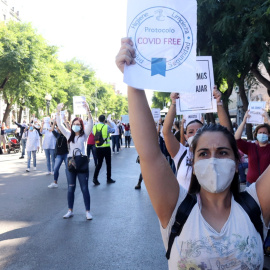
{"points": [[105, 134]]}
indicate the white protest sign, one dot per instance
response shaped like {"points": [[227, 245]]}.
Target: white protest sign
{"points": [[46, 121], [78, 107], [164, 35], [191, 117], [125, 119], [256, 110], [63, 114], [156, 114], [200, 99]]}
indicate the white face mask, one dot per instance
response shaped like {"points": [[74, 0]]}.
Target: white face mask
{"points": [[215, 174], [189, 140]]}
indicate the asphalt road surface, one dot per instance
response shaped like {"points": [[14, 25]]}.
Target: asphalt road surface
{"points": [[124, 233]]}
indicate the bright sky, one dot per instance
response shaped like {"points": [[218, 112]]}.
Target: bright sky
{"points": [[90, 31]]}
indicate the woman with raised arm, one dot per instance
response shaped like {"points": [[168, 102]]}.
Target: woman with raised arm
{"points": [[259, 152], [218, 233], [181, 154], [77, 139]]}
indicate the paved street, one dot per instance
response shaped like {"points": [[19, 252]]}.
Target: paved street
{"points": [[124, 232]]}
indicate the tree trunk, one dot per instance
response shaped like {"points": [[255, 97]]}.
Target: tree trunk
{"points": [[20, 114], [7, 111], [245, 107]]}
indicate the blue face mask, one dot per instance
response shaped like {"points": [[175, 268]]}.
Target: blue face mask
{"points": [[262, 138], [31, 128], [76, 128]]}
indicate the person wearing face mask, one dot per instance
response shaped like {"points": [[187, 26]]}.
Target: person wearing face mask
{"points": [[76, 138], [37, 127], [22, 138], [181, 154], [218, 233], [32, 146], [48, 146], [259, 152]]}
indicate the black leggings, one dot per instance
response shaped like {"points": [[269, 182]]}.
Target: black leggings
{"points": [[127, 141]]}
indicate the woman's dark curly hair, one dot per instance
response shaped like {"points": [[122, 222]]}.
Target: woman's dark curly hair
{"points": [[195, 187]]}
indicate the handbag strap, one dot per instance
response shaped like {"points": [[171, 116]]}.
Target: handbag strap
{"points": [[181, 159], [76, 149]]}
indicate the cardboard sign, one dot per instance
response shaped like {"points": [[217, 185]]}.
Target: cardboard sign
{"points": [[125, 119], [256, 110], [78, 108], [191, 117], [156, 114], [201, 99], [164, 34]]}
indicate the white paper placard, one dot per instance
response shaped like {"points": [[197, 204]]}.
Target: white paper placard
{"points": [[191, 117], [63, 113], [156, 114], [256, 110], [46, 121], [78, 107], [125, 119], [201, 99], [164, 34]]}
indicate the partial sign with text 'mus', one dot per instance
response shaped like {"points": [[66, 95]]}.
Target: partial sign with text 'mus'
{"points": [[200, 99], [164, 36]]}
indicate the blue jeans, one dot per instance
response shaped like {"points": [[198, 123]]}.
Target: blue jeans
{"points": [[49, 153], [29, 158], [23, 142], [115, 141], [242, 168], [58, 162], [83, 180]]}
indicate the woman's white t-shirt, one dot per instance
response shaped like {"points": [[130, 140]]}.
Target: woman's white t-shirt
{"points": [[185, 169], [237, 246]]}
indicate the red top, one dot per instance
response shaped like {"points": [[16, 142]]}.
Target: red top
{"points": [[256, 158], [91, 139], [127, 128]]}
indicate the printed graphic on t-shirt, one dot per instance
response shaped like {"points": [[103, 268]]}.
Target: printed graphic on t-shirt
{"points": [[232, 253]]}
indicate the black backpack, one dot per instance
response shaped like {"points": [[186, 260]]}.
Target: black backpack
{"points": [[98, 137], [244, 199]]}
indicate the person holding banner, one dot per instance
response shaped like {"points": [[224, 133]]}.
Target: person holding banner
{"points": [[218, 233], [48, 144], [259, 152], [77, 139]]}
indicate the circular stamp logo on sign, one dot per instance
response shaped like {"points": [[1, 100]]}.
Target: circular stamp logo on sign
{"points": [[163, 39]]}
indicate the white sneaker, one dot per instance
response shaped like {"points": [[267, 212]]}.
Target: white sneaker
{"points": [[53, 185], [28, 169], [88, 216], [48, 173], [35, 168], [52, 173], [69, 214]]}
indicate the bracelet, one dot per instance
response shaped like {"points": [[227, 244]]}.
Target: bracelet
{"points": [[174, 104]]}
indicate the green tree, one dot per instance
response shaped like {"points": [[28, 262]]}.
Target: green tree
{"points": [[24, 64]]}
